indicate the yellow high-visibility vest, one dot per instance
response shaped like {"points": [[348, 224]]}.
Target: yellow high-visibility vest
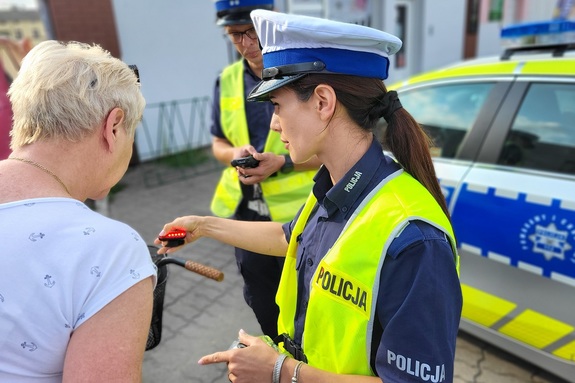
{"points": [[284, 194], [343, 292]]}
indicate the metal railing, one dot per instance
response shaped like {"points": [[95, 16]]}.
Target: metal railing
{"points": [[173, 141]]}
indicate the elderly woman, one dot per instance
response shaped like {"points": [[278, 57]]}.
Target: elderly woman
{"points": [[76, 287]]}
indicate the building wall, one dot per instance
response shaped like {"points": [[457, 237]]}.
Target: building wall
{"points": [[87, 21], [514, 11], [443, 33], [431, 40], [18, 24], [179, 49]]}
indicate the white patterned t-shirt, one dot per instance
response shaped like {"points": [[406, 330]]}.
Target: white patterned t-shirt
{"points": [[60, 263]]}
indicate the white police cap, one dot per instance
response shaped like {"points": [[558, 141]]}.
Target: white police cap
{"points": [[294, 45]]}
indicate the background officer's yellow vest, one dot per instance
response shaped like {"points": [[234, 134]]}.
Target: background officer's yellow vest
{"points": [[343, 292], [284, 193]]}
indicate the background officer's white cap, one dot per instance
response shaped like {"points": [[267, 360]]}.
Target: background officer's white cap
{"points": [[294, 45], [234, 12]]}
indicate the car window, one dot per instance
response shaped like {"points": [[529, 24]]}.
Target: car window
{"points": [[446, 112], [543, 132]]}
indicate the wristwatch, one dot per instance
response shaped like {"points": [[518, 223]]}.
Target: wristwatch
{"points": [[287, 167]]}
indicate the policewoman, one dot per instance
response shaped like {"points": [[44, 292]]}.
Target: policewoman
{"points": [[276, 189], [370, 289]]}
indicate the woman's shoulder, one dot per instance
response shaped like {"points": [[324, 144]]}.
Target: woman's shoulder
{"points": [[418, 232]]}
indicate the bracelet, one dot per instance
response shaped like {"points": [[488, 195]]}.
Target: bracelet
{"points": [[296, 371], [278, 368]]}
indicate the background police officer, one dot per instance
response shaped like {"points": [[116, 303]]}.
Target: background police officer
{"points": [[275, 189]]}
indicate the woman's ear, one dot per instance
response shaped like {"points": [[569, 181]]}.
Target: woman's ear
{"points": [[112, 124], [325, 101]]}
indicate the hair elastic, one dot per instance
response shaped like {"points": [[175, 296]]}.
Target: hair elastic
{"points": [[391, 103]]}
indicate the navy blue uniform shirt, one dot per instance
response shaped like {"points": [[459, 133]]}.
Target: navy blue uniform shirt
{"points": [[258, 114], [419, 302]]}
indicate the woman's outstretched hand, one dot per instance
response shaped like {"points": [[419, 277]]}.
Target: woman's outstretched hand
{"points": [[188, 224], [253, 363]]}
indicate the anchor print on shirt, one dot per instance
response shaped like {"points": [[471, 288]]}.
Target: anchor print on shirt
{"points": [[89, 230], [30, 346], [78, 319], [49, 282], [95, 270], [36, 236]]}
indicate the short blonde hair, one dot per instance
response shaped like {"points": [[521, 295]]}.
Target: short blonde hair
{"points": [[67, 89]]}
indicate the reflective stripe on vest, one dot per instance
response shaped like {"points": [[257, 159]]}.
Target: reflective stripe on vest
{"points": [[346, 287], [284, 193]]}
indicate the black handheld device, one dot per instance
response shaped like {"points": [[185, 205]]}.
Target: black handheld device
{"points": [[245, 162]]}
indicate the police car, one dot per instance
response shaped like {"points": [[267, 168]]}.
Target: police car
{"points": [[503, 133]]}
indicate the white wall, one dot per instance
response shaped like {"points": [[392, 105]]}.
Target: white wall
{"points": [[443, 33], [179, 51], [539, 10], [176, 45], [434, 38], [489, 41]]}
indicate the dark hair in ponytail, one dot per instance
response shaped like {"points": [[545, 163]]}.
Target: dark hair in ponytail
{"points": [[366, 103]]}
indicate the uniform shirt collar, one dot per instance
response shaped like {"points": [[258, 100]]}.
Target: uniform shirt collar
{"points": [[343, 195], [248, 70]]}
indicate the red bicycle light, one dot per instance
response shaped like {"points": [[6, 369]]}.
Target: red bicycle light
{"points": [[173, 234], [174, 237]]}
